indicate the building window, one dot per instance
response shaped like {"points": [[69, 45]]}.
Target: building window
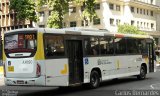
{"points": [[137, 24], [111, 21], [144, 11], [50, 13], [147, 25], [25, 26], [147, 12], [152, 26], [132, 9], [132, 22], [82, 23], [151, 13], [140, 11], [137, 10], [111, 6], [20, 26], [64, 24], [96, 21], [144, 24], [41, 26], [97, 6], [118, 21], [141, 24], [118, 8], [72, 9], [82, 8], [41, 14], [73, 24]]}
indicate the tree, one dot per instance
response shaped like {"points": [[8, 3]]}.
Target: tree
{"points": [[89, 12], [25, 9], [59, 9], [129, 29]]}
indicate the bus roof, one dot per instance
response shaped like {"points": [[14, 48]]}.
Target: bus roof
{"points": [[79, 31]]}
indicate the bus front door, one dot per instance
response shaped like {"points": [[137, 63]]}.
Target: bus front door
{"points": [[151, 56], [75, 56]]}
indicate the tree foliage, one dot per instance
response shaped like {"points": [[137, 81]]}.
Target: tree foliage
{"points": [[129, 29], [59, 9], [89, 12], [25, 9]]}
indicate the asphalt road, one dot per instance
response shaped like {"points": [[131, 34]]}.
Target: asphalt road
{"points": [[121, 87]]}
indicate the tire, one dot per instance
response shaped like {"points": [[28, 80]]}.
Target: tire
{"points": [[142, 74], [94, 80]]}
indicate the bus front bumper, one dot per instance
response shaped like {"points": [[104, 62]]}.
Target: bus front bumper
{"points": [[40, 81]]}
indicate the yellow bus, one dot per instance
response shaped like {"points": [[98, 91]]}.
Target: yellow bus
{"points": [[75, 56]]}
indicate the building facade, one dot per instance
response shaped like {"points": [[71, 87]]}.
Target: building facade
{"points": [[8, 19], [144, 14], [140, 13]]}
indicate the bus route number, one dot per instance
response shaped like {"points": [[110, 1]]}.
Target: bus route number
{"points": [[30, 37]]}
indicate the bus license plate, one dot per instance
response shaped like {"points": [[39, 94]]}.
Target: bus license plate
{"points": [[10, 68], [20, 82]]}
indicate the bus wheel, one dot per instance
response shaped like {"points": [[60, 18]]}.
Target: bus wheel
{"points": [[94, 79], [142, 74]]}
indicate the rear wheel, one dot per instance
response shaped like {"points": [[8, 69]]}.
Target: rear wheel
{"points": [[94, 79], [142, 74]]}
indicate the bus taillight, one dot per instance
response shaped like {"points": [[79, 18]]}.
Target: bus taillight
{"points": [[4, 69], [38, 72]]}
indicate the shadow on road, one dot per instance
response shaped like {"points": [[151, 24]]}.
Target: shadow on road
{"points": [[55, 92], [80, 89]]}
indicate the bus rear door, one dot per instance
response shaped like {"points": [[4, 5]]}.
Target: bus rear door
{"points": [[151, 55], [75, 56]]}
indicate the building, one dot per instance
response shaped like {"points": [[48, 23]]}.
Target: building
{"points": [[8, 19], [144, 14]]}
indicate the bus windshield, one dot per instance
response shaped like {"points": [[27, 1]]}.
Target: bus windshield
{"points": [[20, 42]]}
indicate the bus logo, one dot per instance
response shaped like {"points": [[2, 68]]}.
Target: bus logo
{"points": [[86, 61]]}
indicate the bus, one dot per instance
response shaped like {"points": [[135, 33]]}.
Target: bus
{"points": [[74, 56]]}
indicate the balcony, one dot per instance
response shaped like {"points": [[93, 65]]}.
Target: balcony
{"points": [[146, 2]]}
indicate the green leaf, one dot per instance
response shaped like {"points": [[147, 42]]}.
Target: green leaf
{"points": [[128, 29]]}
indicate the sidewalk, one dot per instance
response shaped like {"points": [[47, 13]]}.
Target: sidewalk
{"points": [[1, 79]]}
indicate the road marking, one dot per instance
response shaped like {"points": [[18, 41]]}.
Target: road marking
{"points": [[152, 85]]}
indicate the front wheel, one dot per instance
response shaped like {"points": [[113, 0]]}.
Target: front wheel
{"points": [[94, 79], [142, 74]]}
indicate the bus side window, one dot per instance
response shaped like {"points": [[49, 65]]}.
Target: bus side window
{"points": [[106, 45], [91, 46], [120, 45], [54, 46]]}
